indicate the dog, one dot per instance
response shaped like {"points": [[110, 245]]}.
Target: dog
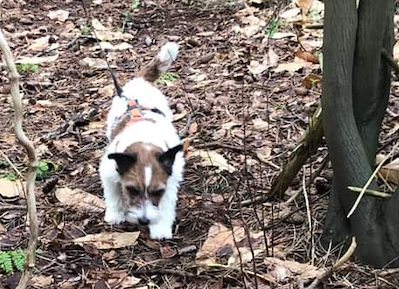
{"points": [[143, 164]]}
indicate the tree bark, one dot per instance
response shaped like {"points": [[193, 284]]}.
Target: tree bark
{"points": [[355, 94]]}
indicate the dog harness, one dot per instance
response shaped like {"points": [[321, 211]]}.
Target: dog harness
{"points": [[135, 112]]}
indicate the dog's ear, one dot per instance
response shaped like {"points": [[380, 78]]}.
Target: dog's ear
{"points": [[167, 158], [124, 161]]}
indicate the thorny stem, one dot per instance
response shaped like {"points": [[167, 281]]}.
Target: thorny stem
{"points": [[32, 163]]}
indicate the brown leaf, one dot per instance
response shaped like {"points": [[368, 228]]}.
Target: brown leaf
{"points": [[10, 189], [221, 244], [213, 159], [106, 91], [168, 252], [60, 15], [39, 44], [107, 240], [41, 281], [390, 171], [304, 5], [311, 80], [193, 128], [307, 56], [80, 200], [282, 270]]}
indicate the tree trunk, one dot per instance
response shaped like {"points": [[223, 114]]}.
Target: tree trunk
{"points": [[356, 84]]}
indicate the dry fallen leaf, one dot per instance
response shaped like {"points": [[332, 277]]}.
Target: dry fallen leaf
{"points": [[252, 25], [214, 159], [304, 5], [10, 189], [260, 124], [41, 281], [108, 240], [307, 56], [220, 245], [281, 269], [39, 44], [97, 63], [37, 60], [390, 171], [106, 91], [292, 66], [80, 200], [60, 15], [110, 47], [291, 15], [128, 282]]}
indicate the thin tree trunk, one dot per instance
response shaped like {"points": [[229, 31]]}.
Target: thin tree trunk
{"points": [[355, 94]]}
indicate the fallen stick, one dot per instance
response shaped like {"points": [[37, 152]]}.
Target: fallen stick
{"points": [[32, 163], [308, 146]]}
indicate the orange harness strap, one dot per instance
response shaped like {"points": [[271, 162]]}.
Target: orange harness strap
{"points": [[135, 112]]}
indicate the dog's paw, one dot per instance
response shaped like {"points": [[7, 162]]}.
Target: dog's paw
{"points": [[160, 231], [114, 217]]}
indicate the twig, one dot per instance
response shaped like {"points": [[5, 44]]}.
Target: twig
{"points": [[11, 164], [357, 202], [370, 192], [335, 267], [180, 273], [32, 163]]}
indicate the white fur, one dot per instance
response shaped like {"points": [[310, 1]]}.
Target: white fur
{"points": [[147, 176], [167, 55], [160, 133]]}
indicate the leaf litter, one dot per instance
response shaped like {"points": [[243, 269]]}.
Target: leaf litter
{"points": [[236, 63]]}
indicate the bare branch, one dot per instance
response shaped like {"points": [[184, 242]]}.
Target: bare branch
{"points": [[32, 163]]}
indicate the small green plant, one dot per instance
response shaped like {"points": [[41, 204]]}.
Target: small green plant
{"points": [[6, 262], [11, 259], [135, 4], [84, 30], [27, 67], [272, 28], [167, 77], [45, 168], [11, 177]]}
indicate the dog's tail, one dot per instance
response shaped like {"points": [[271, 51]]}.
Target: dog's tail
{"points": [[161, 62]]}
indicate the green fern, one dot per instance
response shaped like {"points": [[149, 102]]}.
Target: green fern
{"points": [[11, 259], [6, 262], [18, 258]]}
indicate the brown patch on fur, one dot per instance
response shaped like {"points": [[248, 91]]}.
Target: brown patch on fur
{"points": [[152, 71], [117, 129], [135, 176]]}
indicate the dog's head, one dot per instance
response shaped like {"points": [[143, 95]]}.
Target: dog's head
{"points": [[144, 170]]}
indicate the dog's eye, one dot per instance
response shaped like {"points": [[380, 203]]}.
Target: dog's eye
{"points": [[158, 192], [133, 191]]}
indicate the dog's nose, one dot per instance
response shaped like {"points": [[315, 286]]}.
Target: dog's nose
{"points": [[144, 221]]}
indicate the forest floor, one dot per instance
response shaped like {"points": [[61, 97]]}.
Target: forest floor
{"points": [[243, 76]]}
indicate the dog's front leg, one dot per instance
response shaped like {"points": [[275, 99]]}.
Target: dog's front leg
{"points": [[114, 211], [163, 228]]}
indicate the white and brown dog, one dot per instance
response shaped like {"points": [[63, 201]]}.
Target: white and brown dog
{"points": [[142, 167]]}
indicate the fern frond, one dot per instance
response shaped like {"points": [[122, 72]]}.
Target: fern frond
{"points": [[18, 257], [6, 262]]}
